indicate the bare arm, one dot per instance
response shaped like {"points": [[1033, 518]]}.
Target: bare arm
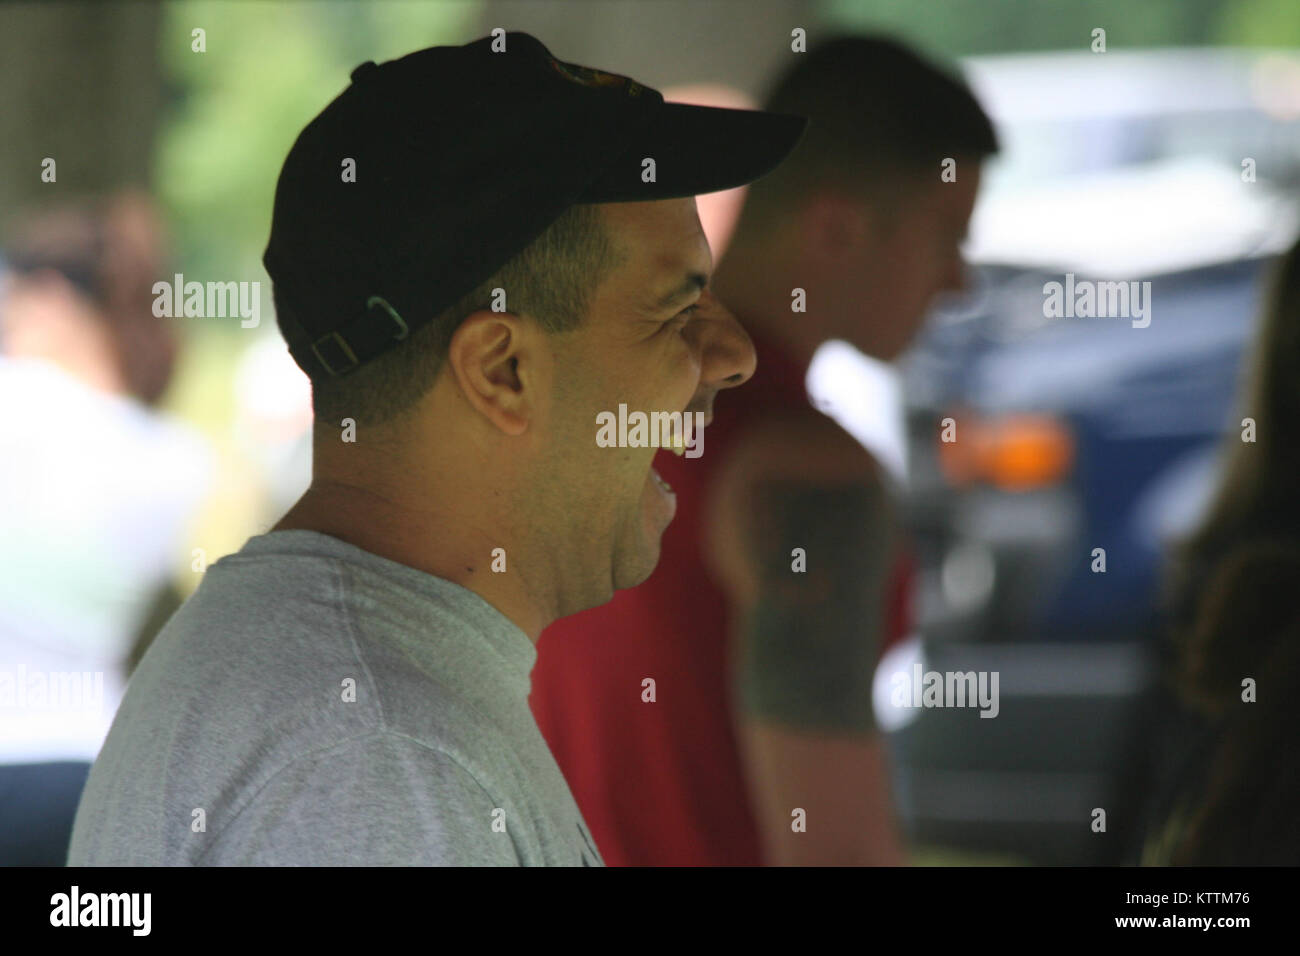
{"points": [[802, 537]]}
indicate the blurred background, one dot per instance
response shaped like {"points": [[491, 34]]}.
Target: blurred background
{"points": [[132, 459]]}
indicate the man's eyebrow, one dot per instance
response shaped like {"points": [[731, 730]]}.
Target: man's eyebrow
{"points": [[695, 281]]}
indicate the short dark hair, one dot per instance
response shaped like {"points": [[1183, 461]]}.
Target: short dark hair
{"points": [[880, 117], [552, 280]]}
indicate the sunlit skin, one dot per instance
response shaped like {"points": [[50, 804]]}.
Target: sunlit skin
{"points": [[502, 452], [870, 277]]}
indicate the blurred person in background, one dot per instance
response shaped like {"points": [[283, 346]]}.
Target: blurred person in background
{"points": [[763, 674], [1228, 784], [98, 488]]}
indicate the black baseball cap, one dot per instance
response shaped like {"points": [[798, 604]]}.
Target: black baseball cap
{"points": [[462, 156]]}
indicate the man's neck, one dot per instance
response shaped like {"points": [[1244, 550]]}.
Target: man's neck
{"points": [[439, 543]]}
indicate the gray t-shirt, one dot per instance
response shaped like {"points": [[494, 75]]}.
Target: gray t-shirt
{"points": [[316, 704]]}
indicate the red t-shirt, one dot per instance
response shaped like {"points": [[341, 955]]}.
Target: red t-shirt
{"points": [[661, 783]]}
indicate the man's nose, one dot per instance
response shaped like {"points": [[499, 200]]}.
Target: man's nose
{"points": [[727, 356]]}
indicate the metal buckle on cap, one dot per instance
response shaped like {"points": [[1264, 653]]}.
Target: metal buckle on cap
{"points": [[343, 345]]}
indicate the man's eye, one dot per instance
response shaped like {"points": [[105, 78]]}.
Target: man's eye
{"points": [[679, 321]]}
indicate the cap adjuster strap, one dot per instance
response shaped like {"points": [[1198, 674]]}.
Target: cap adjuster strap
{"points": [[341, 343], [343, 355]]}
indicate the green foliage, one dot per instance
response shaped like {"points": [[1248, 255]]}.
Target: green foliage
{"points": [[962, 27], [1271, 23]]}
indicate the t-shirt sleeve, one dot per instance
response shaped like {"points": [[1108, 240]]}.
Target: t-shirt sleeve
{"points": [[377, 800]]}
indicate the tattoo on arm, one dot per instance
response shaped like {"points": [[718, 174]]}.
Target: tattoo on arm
{"points": [[809, 645]]}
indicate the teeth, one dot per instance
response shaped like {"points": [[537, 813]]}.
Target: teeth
{"points": [[660, 482]]}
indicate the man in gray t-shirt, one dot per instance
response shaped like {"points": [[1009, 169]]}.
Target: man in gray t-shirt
{"points": [[481, 257], [313, 703]]}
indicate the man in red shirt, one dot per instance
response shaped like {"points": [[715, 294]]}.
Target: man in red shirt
{"points": [[721, 712]]}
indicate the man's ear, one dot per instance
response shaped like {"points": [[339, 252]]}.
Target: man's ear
{"points": [[496, 360]]}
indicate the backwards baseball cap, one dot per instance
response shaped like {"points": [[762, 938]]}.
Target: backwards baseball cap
{"points": [[430, 172]]}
